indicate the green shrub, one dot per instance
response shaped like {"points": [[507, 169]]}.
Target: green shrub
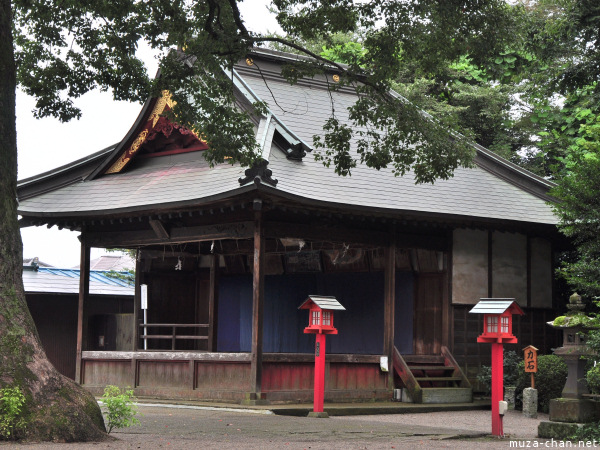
{"points": [[11, 410], [588, 432], [593, 379], [511, 364], [549, 381], [121, 410]]}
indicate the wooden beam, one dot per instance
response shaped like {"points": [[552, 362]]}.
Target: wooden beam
{"points": [[319, 233], [237, 230], [449, 276], [389, 306], [529, 261], [137, 302], [339, 234], [490, 264], [446, 316], [257, 310], [213, 305], [84, 291], [159, 229]]}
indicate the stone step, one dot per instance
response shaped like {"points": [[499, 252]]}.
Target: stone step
{"points": [[447, 395]]}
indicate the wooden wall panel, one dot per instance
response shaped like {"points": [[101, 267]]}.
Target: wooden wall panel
{"points": [[469, 266], [234, 376], [509, 266], [285, 379], [358, 377], [288, 376], [105, 372], [541, 273], [169, 374], [59, 342]]}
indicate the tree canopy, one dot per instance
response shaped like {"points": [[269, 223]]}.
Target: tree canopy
{"points": [[63, 52]]}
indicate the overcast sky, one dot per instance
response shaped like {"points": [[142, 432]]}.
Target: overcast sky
{"points": [[45, 144]]}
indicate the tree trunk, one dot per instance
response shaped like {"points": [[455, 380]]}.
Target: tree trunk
{"points": [[56, 408]]}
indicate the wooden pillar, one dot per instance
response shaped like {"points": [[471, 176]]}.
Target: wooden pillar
{"points": [[255, 396], [213, 307], [84, 291], [137, 301], [490, 264], [389, 306], [446, 296]]}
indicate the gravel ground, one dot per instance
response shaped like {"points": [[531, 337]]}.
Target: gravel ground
{"points": [[182, 428], [515, 424]]}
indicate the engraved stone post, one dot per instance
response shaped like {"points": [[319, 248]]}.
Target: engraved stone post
{"points": [[530, 402]]}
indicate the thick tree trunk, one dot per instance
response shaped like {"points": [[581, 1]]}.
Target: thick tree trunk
{"points": [[56, 408]]}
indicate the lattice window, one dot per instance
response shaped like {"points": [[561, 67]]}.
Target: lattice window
{"points": [[315, 318], [504, 324], [492, 324], [326, 318]]}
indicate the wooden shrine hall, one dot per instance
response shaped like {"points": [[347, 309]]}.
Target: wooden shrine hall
{"points": [[226, 256]]}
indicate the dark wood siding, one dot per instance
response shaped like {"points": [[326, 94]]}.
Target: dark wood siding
{"points": [[56, 320], [429, 298], [360, 326], [530, 329], [55, 317]]}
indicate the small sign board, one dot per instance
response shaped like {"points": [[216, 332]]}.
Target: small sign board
{"points": [[144, 296], [530, 357]]}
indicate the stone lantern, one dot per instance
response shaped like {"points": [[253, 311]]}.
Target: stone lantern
{"points": [[574, 348], [572, 407]]}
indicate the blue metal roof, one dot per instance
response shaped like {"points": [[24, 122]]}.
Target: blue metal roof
{"points": [[97, 275]]}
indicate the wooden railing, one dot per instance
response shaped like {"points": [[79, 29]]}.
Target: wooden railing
{"points": [[407, 377], [173, 336], [450, 361]]}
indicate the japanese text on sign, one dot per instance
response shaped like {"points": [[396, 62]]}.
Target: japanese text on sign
{"points": [[530, 360]]}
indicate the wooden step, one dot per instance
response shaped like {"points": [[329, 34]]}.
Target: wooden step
{"points": [[454, 388], [438, 378], [424, 359], [427, 368]]}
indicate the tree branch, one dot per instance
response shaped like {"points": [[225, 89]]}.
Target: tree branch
{"points": [[238, 19], [301, 49], [383, 92]]}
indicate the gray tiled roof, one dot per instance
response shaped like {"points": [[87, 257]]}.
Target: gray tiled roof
{"points": [[471, 192], [177, 178], [186, 179]]}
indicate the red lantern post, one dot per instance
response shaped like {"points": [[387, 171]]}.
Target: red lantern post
{"points": [[320, 323], [497, 330]]}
